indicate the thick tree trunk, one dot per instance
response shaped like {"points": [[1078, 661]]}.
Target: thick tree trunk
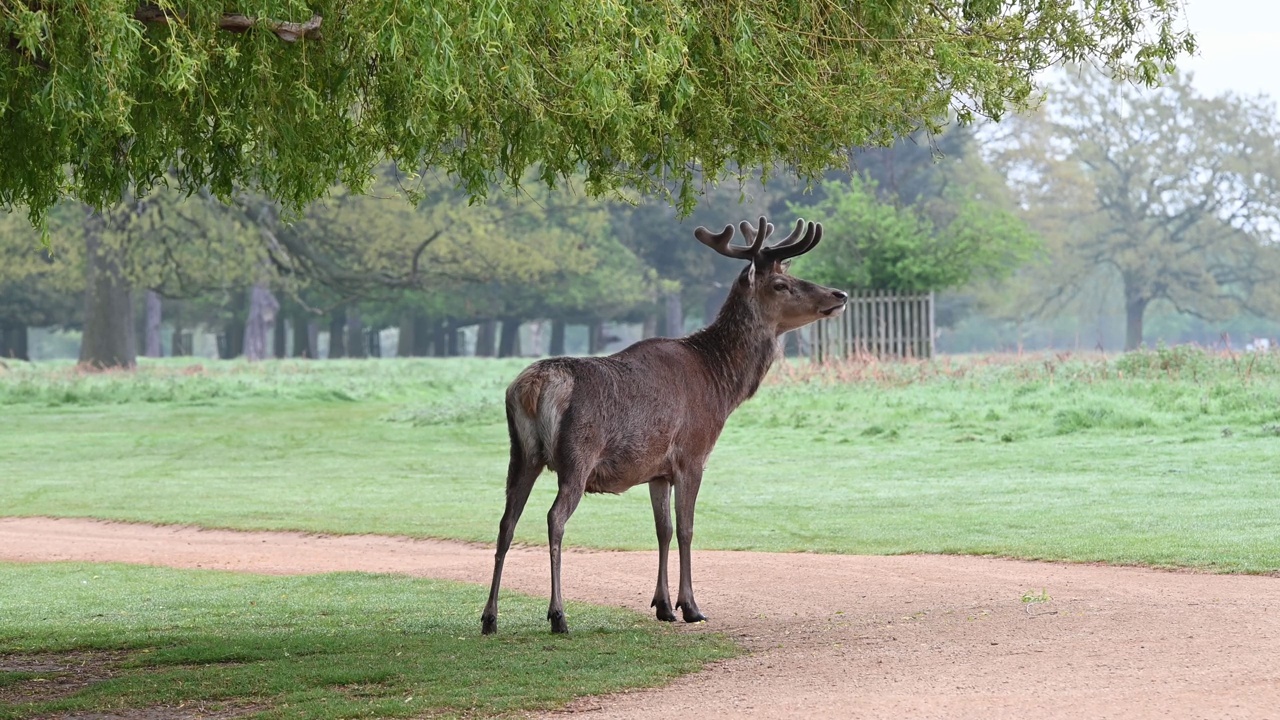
{"points": [[263, 308], [408, 335], [557, 337], [151, 332], [231, 342], [177, 347], [595, 337], [675, 316], [109, 337], [422, 338], [313, 338], [416, 335], [439, 337], [303, 347], [338, 334], [453, 341], [650, 327], [305, 331], [509, 342], [13, 341], [484, 338], [280, 338], [356, 346], [1134, 310]]}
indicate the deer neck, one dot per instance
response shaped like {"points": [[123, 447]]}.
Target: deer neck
{"points": [[738, 349]]}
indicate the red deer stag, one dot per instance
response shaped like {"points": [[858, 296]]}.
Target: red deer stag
{"points": [[652, 412]]}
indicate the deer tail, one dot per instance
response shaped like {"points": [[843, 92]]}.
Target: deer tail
{"points": [[536, 402]]}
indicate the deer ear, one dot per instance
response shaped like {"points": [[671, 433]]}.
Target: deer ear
{"points": [[751, 274]]}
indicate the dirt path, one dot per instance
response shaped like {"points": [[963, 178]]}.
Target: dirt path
{"points": [[834, 636]]}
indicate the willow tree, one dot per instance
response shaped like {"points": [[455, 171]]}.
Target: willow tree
{"points": [[288, 97], [103, 98]]}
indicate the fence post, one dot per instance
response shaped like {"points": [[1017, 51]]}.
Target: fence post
{"points": [[931, 304], [909, 328]]}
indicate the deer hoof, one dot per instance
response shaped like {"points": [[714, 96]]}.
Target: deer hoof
{"points": [[488, 624], [558, 624], [692, 615], [664, 610]]}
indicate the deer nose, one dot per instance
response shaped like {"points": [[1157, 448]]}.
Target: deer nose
{"points": [[841, 295]]}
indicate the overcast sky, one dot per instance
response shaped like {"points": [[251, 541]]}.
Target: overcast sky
{"points": [[1239, 46]]}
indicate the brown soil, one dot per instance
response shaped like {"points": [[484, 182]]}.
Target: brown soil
{"points": [[55, 675], [49, 676], [834, 636]]}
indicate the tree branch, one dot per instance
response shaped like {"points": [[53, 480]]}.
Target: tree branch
{"points": [[289, 32], [234, 22], [417, 254]]}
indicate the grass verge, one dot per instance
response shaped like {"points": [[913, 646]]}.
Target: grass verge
{"points": [[322, 646]]}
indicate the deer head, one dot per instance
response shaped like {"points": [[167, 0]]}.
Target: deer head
{"points": [[781, 301]]}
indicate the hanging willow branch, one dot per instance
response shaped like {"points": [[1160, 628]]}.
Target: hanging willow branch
{"points": [[287, 31], [150, 13], [638, 95], [12, 43]]}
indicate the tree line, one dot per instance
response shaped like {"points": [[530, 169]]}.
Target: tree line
{"points": [[121, 123], [357, 263], [1108, 193]]}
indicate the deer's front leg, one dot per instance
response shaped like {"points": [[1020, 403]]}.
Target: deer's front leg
{"points": [[686, 499], [660, 495]]}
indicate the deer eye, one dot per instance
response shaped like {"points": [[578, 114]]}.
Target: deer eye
{"points": [[780, 287]]}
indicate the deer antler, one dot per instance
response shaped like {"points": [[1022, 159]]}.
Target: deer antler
{"points": [[720, 243], [751, 231], [794, 244]]}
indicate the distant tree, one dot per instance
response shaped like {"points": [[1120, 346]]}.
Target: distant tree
{"points": [[1174, 195], [38, 285], [934, 244], [536, 253], [97, 98], [548, 253], [916, 168], [173, 246], [352, 252]]}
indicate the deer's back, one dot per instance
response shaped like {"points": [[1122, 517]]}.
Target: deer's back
{"points": [[648, 411]]}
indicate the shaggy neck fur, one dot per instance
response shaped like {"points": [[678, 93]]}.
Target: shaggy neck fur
{"points": [[738, 348]]}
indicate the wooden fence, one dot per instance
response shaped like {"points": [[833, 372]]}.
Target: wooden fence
{"points": [[879, 323]]}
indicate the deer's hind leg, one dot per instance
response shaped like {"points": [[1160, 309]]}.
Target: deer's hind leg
{"points": [[522, 472], [573, 483], [660, 496]]}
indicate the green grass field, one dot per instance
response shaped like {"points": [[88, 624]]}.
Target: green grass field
{"points": [[1166, 457], [339, 645]]}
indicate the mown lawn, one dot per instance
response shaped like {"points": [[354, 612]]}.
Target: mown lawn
{"points": [[327, 646], [1165, 458]]}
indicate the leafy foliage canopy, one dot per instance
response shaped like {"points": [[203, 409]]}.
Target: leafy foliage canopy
{"points": [[289, 97]]}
